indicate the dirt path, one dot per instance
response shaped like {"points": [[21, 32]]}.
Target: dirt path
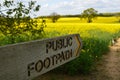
{"points": [[106, 69], [113, 61], [109, 67]]}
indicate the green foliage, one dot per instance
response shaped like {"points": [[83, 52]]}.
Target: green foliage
{"points": [[86, 62], [16, 20], [89, 13], [92, 51], [83, 64], [54, 17]]}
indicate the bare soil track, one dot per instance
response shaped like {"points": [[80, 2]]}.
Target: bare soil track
{"points": [[108, 68]]}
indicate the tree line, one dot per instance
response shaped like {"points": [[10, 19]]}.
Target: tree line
{"points": [[88, 14]]}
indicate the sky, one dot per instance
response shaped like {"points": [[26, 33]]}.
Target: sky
{"points": [[66, 7]]}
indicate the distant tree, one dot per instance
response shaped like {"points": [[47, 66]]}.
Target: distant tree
{"points": [[89, 14], [16, 19], [54, 17]]}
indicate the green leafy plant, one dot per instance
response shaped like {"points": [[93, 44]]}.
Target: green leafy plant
{"points": [[16, 20]]}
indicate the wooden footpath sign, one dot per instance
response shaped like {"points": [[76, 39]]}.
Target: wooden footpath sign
{"points": [[27, 60]]}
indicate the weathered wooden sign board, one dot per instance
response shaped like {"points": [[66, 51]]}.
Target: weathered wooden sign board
{"points": [[24, 61]]}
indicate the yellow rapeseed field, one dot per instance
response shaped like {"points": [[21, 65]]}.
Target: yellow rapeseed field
{"points": [[76, 25]]}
